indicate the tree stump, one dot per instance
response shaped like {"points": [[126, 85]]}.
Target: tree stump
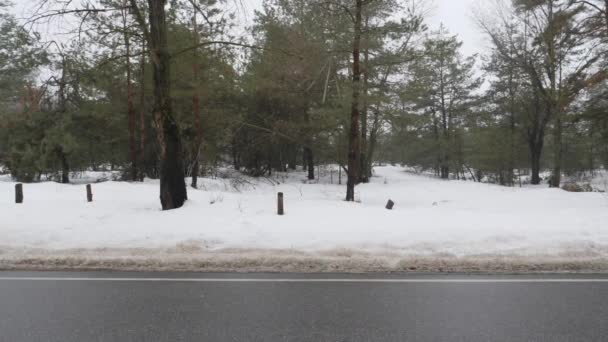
{"points": [[89, 193], [19, 193], [390, 204], [280, 210]]}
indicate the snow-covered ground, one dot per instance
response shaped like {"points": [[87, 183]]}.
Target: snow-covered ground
{"points": [[231, 223]]}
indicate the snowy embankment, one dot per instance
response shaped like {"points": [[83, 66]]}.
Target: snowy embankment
{"points": [[231, 224]]}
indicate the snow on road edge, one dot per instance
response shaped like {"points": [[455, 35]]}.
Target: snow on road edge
{"points": [[254, 260]]}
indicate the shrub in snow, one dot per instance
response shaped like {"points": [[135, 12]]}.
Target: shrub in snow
{"points": [[574, 187], [215, 198]]}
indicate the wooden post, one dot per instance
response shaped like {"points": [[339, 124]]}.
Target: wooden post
{"points": [[280, 210], [19, 193], [89, 193], [390, 205]]}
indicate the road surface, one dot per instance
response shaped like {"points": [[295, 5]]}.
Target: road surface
{"points": [[105, 306]]}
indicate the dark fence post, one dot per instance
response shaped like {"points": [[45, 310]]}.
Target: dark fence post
{"points": [[19, 193], [280, 210], [390, 205], [89, 193]]}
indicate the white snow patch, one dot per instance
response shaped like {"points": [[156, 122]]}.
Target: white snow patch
{"points": [[432, 220]]}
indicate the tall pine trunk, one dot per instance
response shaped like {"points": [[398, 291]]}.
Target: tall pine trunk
{"points": [[196, 110], [308, 156], [65, 168], [553, 103], [536, 140], [365, 174], [373, 140], [130, 107], [556, 177], [354, 144], [142, 116], [172, 184], [512, 126], [62, 110]]}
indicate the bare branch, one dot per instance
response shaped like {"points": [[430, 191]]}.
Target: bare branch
{"points": [[221, 42]]}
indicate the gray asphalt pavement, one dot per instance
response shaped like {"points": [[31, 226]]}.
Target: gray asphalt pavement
{"points": [[100, 306]]}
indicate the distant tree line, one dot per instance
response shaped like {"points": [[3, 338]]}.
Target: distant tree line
{"points": [[164, 90]]}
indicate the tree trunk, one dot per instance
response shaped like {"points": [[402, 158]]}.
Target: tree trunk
{"points": [[310, 165], [444, 155], [142, 117], [196, 104], [553, 103], [536, 139], [444, 171], [65, 168], [195, 171], [172, 185], [354, 146], [512, 123], [130, 107], [436, 138], [556, 177], [364, 109], [373, 140], [292, 157], [535, 154]]}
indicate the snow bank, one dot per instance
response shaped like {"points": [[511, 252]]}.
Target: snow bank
{"points": [[231, 224]]}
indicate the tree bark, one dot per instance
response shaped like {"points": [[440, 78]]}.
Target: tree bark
{"points": [[536, 139], [131, 115], [553, 103], [65, 168], [535, 154], [512, 126], [310, 165], [196, 104], [142, 116], [354, 144], [173, 191], [373, 140], [130, 107], [556, 177], [292, 156], [364, 109]]}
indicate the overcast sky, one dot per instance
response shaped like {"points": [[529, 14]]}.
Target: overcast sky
{"points": [[456, 15]]}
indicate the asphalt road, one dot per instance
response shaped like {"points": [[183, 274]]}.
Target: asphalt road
{"points": [[317, 308]]}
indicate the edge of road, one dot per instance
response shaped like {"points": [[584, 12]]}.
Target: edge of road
{"points": [[301, 263], [345, 278]]}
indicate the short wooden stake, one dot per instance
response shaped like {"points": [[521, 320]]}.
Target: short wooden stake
{"points": [[89, 193], [280, 210], [19, 193], [390, 205]]}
